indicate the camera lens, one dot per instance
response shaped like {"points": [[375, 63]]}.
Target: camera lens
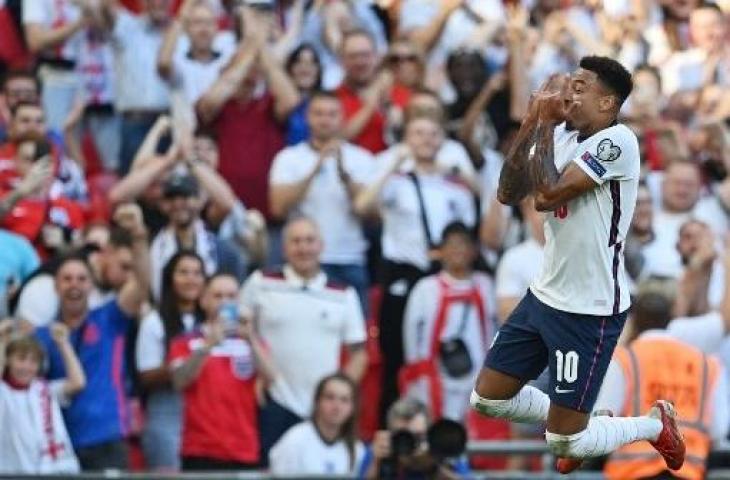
{"points": [[403, 443], [446, 439]]}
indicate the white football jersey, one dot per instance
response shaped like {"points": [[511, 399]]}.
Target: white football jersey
{"points": [[583, 269]]}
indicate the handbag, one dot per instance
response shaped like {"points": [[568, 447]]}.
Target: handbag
{"points": [[454, 354]]}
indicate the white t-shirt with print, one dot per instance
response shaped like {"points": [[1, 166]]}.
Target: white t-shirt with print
{"points": [[583, 268], [34, 438]]}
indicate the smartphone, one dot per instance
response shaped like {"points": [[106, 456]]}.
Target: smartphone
{"points": [[228, 312]]}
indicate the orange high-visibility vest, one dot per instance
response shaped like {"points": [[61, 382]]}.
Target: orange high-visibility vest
{"points": [[664, 368]]}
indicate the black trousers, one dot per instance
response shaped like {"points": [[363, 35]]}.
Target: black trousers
{"points": [[274, 421], [397, 280], [104, 456]]}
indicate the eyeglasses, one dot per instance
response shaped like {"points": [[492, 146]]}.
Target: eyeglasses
{"points": [[403, 58]]}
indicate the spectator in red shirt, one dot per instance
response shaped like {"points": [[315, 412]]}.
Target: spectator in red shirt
{"points": [[29, 119], [249, 126], [364, 93], [52, 223], [216, 368]]}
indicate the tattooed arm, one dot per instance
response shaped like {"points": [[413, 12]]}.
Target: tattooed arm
{"points": [[514, 182], [553, 189], [515, 179]]}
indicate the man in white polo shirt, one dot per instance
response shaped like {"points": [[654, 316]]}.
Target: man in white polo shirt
{"points": [[319, 178], [305, 319]]}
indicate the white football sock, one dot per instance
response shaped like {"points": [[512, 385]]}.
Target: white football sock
{"points": [[604, 435], [530, 405]]}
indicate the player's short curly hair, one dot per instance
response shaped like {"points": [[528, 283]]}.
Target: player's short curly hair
{"points": [[611, 74]]}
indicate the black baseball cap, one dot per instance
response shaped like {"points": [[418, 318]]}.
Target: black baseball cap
{"points": [[180, 185]]}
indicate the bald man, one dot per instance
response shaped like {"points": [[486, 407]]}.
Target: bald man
{"points": [[305, 319]]}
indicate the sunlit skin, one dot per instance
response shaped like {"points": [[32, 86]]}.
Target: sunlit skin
{"points": [[220, 290], [23, 367], [302, 247], [27, 119], [325, 118], [359, 60], [305, 70], [73, 284], [424, 137], [188, 280], [201, 27], [681, 187], [334, 407]]}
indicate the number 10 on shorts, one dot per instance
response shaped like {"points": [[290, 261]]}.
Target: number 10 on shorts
{"points": [[567, 366]]}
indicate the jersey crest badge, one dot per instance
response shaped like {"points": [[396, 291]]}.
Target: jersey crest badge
{"points": [[607, 151]]}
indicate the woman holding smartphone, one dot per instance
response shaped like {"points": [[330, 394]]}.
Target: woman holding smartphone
{"points": [[218, 368], [178, 312]]}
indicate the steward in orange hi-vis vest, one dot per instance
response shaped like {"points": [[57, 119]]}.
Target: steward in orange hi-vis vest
{"points": [[659, 367]]}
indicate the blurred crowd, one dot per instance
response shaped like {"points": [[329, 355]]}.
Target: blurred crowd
{"points": [[261, 234]]}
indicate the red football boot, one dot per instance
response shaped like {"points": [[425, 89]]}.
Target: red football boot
{"points": [[670, 443]]}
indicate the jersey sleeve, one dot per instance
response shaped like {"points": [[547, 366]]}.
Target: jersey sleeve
{"points": [[282, 170], [150, 349], [609, 155]]}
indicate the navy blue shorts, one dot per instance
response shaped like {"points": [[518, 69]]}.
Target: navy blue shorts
{"points": [[576, 349]]}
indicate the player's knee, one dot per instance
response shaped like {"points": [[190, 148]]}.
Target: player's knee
{"points": [[564, 445], [485, 406]]}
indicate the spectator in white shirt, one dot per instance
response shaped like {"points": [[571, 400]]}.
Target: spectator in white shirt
{"points": [[177, 313], [306, 320], [34, 439], [415, 208], [54, 32], [141, 95], [702, 275], [320, 179], [452, 157], [326, 444], [680, 191], [193, 70], [706, 62]]}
